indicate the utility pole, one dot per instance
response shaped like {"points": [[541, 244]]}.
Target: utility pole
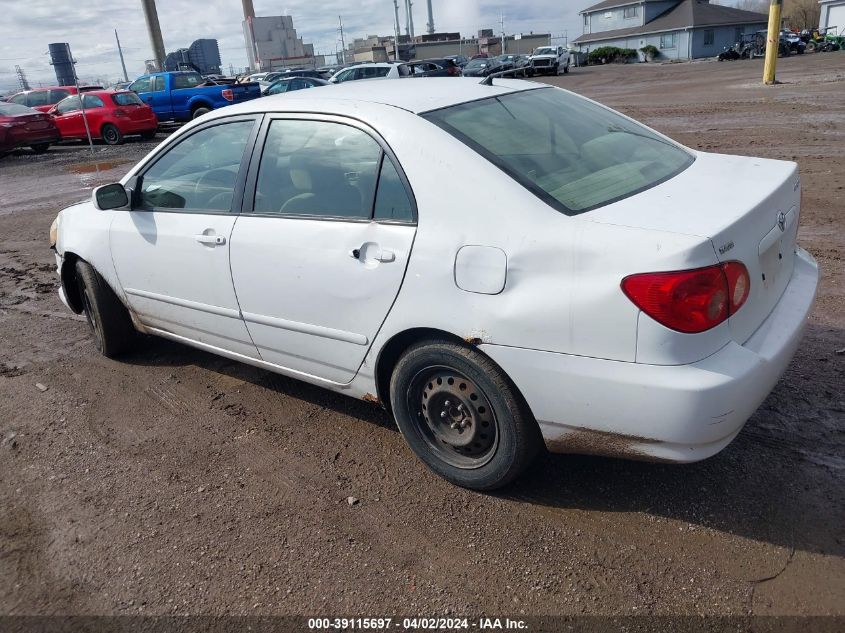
{"points": [[504, 43], [342, 40], [409, 14], [772, 42], [154, 30], [430, 19], [120, 51], [396, 30]]}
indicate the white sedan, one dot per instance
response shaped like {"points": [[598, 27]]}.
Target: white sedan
{"points": [[501, 266]]}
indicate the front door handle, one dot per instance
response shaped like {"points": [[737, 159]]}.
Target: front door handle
{"points": [[210, 240]]}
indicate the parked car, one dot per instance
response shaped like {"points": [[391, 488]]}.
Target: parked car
{"points": [[435, 68], [519, 64], [381, 70], [586, 282], [26, 127], [111, 116], [460, 60], [291, 84], [550, 60], [275, 76], [42, 99], [182, 96], [480, 67]]}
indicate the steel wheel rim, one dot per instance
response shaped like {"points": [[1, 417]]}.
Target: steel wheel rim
{"points": [[110, 135], [453, 416]]}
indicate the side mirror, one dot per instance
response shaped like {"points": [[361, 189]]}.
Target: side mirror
{"points": [[111, 196]]}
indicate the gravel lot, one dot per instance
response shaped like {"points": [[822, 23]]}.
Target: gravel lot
{"points": [[179, 482]]}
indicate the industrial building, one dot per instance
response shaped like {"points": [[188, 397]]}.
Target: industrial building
{"points": [[272, 42], [203, 55], [680, 29]]}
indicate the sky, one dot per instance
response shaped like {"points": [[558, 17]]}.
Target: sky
{"points": [[29, 25]]}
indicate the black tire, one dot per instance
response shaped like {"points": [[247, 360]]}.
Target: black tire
{"points": [[441, 390], [40, 148], [111, 135], [149, 135], [199, 112], [566, 70], [107, 316]]}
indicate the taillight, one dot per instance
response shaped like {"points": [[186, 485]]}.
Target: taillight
{"points": [[227, 94], [690, 301]]}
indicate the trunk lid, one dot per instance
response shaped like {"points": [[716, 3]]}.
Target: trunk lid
{"points": [[748, 208], [32, 122]]}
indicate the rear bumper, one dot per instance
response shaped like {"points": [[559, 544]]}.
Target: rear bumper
{"points": [[680, 413]]}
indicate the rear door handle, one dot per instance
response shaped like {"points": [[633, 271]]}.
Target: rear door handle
{"points": [[365, 253], [386, 256], [210, 240]]}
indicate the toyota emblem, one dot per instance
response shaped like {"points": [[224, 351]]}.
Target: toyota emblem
{"points": [[782, 221]]}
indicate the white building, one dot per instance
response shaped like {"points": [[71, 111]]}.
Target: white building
{"points": [[833, 16], [272, 43]]}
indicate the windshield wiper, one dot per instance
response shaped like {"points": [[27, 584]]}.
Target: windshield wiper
{"points": [[619, 129]]}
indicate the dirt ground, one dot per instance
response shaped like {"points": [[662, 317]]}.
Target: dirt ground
{"points": [[179, 482]]}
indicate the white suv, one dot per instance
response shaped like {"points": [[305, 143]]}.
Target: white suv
{"points": [[379, 70]]}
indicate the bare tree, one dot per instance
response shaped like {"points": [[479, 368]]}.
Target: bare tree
{"points": [[802, 14], [758, 6]]}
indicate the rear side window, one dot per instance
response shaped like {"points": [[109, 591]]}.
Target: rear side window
{"points": [[570, 152], [392, 202], [317, 168], [92, 101], [188, 80], [126, 98], [157, 84]]}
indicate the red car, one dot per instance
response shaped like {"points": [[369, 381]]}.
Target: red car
{"points": [[111, 116], [24, 127], [43, 99]]}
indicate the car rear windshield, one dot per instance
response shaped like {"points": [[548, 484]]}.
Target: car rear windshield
{"points": [[126, 98], [574, 154]]}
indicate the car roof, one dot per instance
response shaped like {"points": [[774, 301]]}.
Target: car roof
{"points": [[417, 96]]}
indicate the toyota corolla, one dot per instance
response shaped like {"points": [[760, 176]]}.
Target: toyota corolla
{"points": [[586, 284]]}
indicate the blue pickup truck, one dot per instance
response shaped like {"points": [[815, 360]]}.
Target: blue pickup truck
{"points": [[182, 96]]}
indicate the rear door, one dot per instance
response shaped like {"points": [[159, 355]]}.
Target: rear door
{"points": [[171, 251], [320, 251]]}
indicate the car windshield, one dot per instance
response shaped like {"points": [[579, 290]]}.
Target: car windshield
{"points": [[573, 153], [13, 109], [545, 51]]}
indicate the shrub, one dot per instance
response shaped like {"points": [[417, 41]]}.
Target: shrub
{"points": [[609, 54], [650, 51]]}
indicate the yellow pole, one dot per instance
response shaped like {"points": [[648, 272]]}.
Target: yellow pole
{"points": [[772, 42]]}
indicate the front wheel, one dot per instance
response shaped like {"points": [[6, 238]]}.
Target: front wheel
{"points": [[148, 135], [40, 148], [462, 416], [199, 112], [106, 315], [111, 135]]}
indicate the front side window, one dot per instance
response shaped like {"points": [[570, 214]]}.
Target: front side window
{"points": [[19, 99], [58, 95], [278, 88], [345, 75], [317, 168], [570, 152], [68, 105], [198, 173], [39, 98]]}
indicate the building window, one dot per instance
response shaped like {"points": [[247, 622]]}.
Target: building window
{"points": [[631, 12], [669, 40], [738, 33], [709, 37]]}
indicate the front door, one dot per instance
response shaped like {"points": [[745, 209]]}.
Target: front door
{"points": [[171, 252], [319, 261]]}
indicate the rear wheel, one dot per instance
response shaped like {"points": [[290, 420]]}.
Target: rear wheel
{"points": [[199, 112], [149, 135], [462, 416], [106, 315], [40, 148], [111, 135]]}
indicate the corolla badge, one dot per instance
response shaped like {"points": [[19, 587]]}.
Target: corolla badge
{"points": [[782, 221]]}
